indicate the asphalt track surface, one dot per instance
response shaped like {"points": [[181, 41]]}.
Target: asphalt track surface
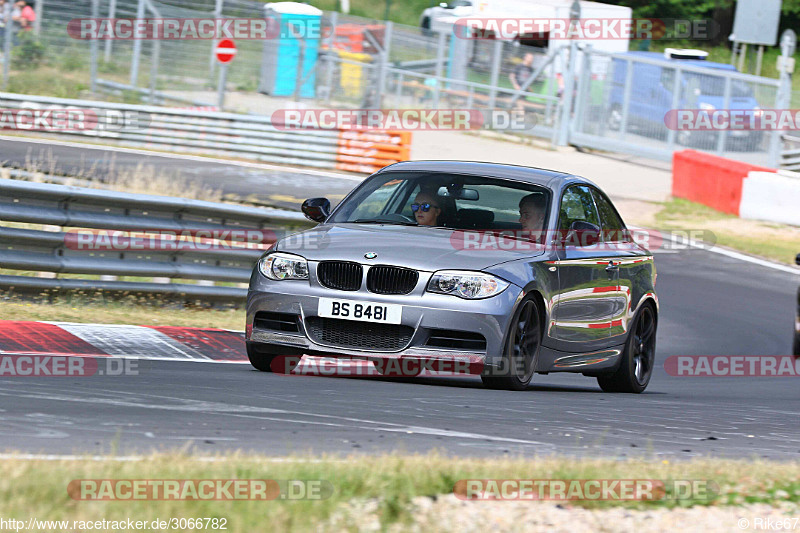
{"points": [[710, 305]]}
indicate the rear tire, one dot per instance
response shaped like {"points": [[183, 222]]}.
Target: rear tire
{"points": [[272, 358], [521, 352], [638, 356]]}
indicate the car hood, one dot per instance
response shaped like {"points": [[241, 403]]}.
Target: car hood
{"points": [[420, 248]]}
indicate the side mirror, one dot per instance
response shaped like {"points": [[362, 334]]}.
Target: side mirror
{"points": [[316, 209], [582, 233]]}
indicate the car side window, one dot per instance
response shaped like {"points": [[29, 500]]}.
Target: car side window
{"points": [[614, 229], [577, 204]]}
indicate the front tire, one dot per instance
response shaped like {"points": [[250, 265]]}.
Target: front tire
{"points": [[272, 358], [523, 343], [638, 356]]}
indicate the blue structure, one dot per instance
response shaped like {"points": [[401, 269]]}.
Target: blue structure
{"points": [[296, 47]]}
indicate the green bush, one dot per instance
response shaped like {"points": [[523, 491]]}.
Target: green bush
{"points": [[72, 60], [29, 54]]}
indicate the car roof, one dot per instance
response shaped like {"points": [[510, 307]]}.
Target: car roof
{"points": [[552, 179], [695, 62]]}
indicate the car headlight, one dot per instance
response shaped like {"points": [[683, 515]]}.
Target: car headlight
{"points": [[706, 107], [465, 284], [757, 111], [279, 266]]}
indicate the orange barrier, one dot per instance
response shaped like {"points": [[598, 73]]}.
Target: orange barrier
{"points": [[351, 37], [367, 152], [710, 180]]}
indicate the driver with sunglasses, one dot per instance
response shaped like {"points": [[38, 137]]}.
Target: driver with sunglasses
{"points": [[426, 209]]}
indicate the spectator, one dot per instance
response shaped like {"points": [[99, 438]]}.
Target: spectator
{"points": [[522, 72], [23, 15]]}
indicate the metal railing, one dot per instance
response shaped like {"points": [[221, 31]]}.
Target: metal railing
{"points": [[790, 154], [147, 240], [229, 134]]}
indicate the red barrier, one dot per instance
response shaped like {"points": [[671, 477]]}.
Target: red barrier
{"points": [[710, 180]]}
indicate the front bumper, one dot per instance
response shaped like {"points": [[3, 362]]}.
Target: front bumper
{"points": [[422, 311]]}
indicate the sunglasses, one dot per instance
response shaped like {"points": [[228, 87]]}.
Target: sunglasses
{"points": [[423, 207]]}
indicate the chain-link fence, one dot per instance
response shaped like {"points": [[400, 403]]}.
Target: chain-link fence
{"points": [[636, 100], [616, 102]]}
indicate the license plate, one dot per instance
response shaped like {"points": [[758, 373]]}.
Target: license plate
{"points": [[363, 311]]}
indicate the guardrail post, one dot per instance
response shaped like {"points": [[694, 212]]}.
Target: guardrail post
{"points": [[94, 46], [440, 51], [38, 8], [7, 44], [584, 91], [212, 60], [384, 66], [137, 47], [331, 51], [782, 101], [569, 85], [155, 58], [626, 99], [112, 11], [497, 59], [726, 104], [676, 101]]}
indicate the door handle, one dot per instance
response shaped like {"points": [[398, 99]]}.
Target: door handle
{"points": [[612, 267]]}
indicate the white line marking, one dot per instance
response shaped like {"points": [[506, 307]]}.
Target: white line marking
{"points": [[262, 166], [136, 400], [728, 253]]}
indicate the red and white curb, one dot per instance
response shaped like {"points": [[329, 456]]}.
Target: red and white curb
{"points": [[165, 343]]}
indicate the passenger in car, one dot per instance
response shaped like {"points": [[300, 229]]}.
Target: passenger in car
{"points": [[532, 210], [426, 209]]}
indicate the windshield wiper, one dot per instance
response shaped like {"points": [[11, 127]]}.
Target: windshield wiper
{"points": [[383, 221]]}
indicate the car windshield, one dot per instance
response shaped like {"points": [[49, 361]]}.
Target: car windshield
{"points": [[441, 200]]}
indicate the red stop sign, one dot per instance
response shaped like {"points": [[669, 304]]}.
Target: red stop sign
{"points": [[225, 51]]}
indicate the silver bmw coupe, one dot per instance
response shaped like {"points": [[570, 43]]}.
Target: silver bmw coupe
{"points": [[515, 270]]}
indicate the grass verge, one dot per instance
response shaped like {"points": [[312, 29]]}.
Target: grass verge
{"points": [[778, 242], [127, 312], [390, 482]]}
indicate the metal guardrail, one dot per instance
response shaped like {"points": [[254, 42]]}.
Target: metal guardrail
{"points": [[790, 153], [230, 134], [222, 256]]}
